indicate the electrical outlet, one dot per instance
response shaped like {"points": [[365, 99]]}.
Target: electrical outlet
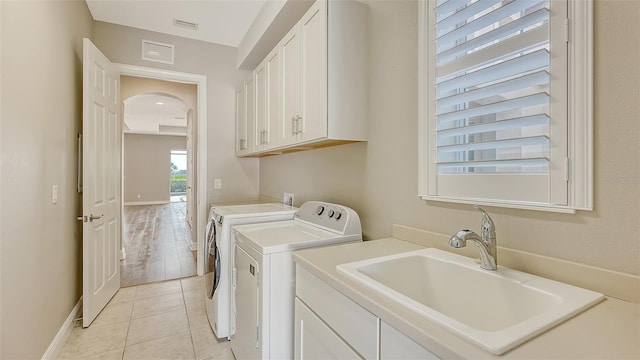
{"points": [[54, 194], [287, 199], [217, 183]]}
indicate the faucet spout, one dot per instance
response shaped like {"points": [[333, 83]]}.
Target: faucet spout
{"points": [[486, 242]]}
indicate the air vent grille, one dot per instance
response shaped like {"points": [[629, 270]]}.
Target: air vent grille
{"points": [[158, 52], [185, 24]]}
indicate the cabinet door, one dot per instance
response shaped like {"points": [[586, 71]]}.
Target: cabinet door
{"points": [[272, 127], [261, 93], [395, 345], [290, 57], [313, 33], [315, 340], [241, 122], [249, 89]]}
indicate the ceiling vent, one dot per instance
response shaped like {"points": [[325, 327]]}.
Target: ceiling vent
{"points": [[185, 24], [158, 52]]}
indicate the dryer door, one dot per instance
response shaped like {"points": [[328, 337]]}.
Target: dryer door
{"points": [[210, 258]]}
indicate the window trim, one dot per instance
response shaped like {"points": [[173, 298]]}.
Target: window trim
{"points": [[580, 154]]}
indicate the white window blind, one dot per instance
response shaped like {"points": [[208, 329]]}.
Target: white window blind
{"points": [[505, 106], [492, 80], [505, 93]]}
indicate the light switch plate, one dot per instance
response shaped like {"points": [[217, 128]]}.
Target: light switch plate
{"points": [[217, 183]]}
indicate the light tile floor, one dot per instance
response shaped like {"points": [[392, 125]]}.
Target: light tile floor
{"points": [[165, 320]]}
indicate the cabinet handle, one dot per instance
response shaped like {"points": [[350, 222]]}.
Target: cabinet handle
{"points": [[294, 120], [242, 144], [298, 118], [266, 137]]}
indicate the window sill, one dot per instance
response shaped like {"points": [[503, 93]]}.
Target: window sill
{"points": [[506, 204]]}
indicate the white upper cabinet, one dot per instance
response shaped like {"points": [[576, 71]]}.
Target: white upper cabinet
{"points": [[291, 84], [267, 81], [245, 119], [313, 35], [241, 121], [274, 106], [314, 82], [261, 93]]}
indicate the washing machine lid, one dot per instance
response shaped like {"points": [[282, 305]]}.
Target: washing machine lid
{"points": [[252, 210], [288, 235]]}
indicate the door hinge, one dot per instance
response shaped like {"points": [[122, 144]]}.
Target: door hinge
{"points": [[566, 30], [566, 169]]}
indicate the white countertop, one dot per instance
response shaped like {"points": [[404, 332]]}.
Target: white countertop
{"points": [[609, 330]]}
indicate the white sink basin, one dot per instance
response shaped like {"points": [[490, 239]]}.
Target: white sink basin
{"points": [[497, 310]]}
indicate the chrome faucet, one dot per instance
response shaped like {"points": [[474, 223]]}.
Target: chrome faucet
{"points": [[486, 242]]}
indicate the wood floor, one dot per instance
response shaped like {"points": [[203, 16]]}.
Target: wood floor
{"points": [[156, 242]]}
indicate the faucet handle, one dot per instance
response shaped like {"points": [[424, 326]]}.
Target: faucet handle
{"points": [[487, 227]]}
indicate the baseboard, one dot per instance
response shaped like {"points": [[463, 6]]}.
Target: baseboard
{"points": [[158, 202], [62, 335], [193, 246]]}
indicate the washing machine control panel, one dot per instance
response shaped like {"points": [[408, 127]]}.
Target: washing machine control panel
{"points": [[332, 216]]}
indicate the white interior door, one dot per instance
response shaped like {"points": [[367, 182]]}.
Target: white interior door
{"points": [[101, 182]]}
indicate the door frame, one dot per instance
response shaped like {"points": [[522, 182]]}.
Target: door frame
{"points": [[201, 147]]}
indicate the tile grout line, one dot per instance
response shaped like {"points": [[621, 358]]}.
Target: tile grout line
{"points": [[126, 338], [193, 345]]}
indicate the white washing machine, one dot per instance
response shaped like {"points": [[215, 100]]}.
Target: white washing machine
{"points": [[219, 256], [264, 275]]}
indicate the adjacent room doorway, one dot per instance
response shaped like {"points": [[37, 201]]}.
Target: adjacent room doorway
{"points": [[160, 200], [156, 234]]}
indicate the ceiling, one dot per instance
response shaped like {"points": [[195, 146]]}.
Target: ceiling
{"points": [[155, 114], [222, 22]]}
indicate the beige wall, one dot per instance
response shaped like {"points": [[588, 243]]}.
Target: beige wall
{"points": [[379, 179], [41, 277], [239, 176], [135, 184], [146, 166]]}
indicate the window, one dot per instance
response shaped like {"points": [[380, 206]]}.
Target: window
{"points": [[505, 97]]}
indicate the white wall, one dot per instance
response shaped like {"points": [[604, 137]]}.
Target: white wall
{"points": [[122, 44], [379, 179], [41, 276]]}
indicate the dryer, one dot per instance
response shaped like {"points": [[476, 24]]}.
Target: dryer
{"points": [[264, 275], [219, 257]]}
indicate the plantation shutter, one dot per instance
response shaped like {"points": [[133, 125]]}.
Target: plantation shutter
{"points": [[492, 86]]}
